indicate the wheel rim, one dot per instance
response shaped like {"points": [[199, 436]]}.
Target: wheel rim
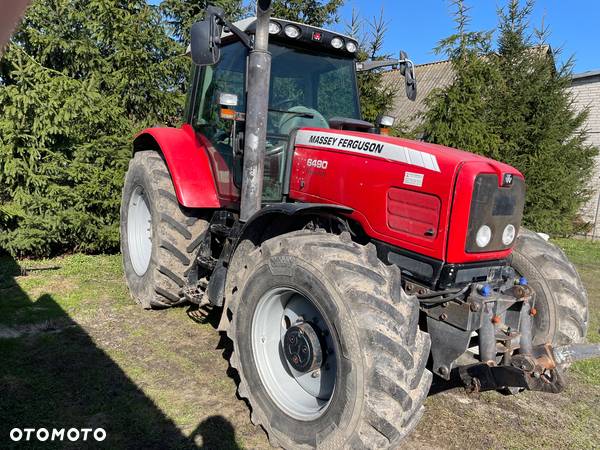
{"points": [[139, 231], [303, 395]]}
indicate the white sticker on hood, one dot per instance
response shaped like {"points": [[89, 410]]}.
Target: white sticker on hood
{"points": [[372, 147], [413, 179]]}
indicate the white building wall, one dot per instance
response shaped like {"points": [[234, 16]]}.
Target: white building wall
{"points": [[586, 93]]}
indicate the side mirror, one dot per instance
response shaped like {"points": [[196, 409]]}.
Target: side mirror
{"points": [[411, 82], [407, 69], [206, 39]]}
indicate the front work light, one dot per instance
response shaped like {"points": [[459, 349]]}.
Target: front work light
{"points": [[337, 42], [292, 31], [274, 28]]}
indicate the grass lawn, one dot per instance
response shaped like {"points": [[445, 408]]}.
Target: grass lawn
{"points": [[76, 352]]}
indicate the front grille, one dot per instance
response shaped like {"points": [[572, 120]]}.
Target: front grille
{"points": [[495, 207]]}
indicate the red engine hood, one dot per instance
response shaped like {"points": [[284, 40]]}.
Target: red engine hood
{"points": [[370, 172], [395, 149]]}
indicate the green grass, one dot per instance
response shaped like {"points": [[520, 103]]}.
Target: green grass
{"points": [[86, 356]]}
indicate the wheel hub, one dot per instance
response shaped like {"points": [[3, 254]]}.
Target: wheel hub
{"points": [[294, 353], [302, 348], [139, 231]]}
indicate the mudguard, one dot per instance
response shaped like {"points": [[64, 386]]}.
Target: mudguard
{"points": [[187, 161]]}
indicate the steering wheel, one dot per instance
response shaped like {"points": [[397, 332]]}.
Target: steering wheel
{"points": [[287, 102]]}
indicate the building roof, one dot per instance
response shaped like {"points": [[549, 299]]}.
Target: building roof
{"points": [[586, 77], [429, 76]]}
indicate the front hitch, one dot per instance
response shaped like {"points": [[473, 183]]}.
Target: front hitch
{"points": [[540, 371], [536, 368]]}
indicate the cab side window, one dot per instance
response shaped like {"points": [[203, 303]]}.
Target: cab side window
{"points": [[227, 76]]}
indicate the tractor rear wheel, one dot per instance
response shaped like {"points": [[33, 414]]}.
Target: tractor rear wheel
{"points": [[158, 235], [560, 297], [326, 343]]}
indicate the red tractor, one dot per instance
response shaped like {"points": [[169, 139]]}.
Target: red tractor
{"points": [[350, 266]]}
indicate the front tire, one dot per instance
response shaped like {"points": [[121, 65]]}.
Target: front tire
{"points": [[560, 297], [375, 346], [159, 237]]}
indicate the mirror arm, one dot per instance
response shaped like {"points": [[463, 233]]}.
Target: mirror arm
{"points": [[218, 13], [366, 66]]}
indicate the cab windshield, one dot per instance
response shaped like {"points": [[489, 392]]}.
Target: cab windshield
{"points": [[308, 89]]}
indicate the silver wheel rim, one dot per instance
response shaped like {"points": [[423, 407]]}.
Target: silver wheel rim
{"points": [[139, 231], [303, 396]]}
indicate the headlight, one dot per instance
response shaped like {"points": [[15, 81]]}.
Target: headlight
{"points": [[508, 235], [291, 31], [336, 42], [484, 236], [274, 28], [351, 46]]}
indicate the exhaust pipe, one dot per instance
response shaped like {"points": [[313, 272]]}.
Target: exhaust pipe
{"points": [[259, 74]]}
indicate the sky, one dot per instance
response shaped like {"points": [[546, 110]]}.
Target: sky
{"points": [[416, 26]]}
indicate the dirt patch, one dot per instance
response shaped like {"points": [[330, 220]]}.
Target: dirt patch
{"points": [[51, 285], [31, 329]]}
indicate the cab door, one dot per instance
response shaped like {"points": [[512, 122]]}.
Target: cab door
{"points": [[217, 134]]}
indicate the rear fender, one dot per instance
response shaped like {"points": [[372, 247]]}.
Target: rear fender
{"points": [[187, 162]]}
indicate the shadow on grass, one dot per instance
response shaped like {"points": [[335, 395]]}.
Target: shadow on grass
{"points": [[53, 376]]}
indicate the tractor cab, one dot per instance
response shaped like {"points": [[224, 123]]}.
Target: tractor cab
{"points": [[312, 84]]}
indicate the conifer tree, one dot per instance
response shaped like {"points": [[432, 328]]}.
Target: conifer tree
{"points": [[77, 81], [376, 97], [312, 12], [458, 115], [181, 14], [513, 105], [541, 134]]}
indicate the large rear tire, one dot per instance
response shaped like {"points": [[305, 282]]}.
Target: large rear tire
{"points": [[158, 236], [560, 297], [373, 380]]}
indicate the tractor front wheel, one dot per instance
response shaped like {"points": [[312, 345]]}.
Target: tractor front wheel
{"points": [[560, 297], [326, 343], [158, 236]]}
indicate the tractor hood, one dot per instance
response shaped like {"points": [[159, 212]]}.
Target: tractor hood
{"points": [[411, 194], [431, 157]]}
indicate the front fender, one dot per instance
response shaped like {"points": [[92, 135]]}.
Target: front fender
{"points": [[187, 162]]}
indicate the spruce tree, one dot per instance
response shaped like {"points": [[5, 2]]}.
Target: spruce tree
{"points": [[181, 14], [77, 81], [513, 105], [312, 12], [376, 97], [541, 134], [458, 115]]}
